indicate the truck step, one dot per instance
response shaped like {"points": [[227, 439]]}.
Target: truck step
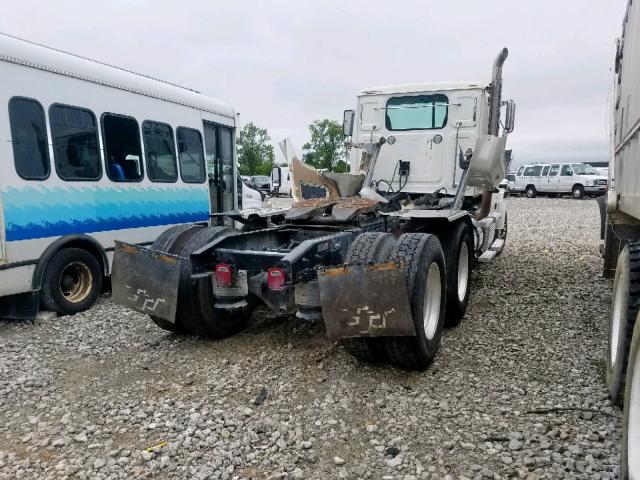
{"points": [[487, 256], [497, 245]]}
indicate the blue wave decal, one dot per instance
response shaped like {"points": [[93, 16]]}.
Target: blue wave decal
{"points": [[39, 211]]}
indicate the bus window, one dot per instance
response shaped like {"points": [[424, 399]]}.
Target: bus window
{"points": [[160, 152], [191, 155], [75, 143], [29, 138], [122, 148]]}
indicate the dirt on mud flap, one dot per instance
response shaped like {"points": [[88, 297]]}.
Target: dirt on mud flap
{"points": [[365, 301], [145, 280]]}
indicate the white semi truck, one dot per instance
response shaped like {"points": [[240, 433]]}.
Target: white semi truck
{"points": [[621, 232], [382, 255]]}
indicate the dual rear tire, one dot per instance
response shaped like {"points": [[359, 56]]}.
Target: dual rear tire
{"points": [[196, 311], [437, 283]]}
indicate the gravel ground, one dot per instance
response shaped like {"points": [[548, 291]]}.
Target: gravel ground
{"points": [[85, 396]]}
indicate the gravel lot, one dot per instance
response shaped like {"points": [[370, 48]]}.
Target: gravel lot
{"points": [[84, 396]]}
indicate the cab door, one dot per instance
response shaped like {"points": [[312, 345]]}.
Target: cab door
{"points": [[552, 178], [543, 182], [565, 179]]}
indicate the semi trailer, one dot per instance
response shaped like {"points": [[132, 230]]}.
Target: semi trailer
{"points": [[382, 255], [621, 234]]}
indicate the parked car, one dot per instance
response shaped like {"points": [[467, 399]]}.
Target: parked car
{"points": [[578, 179], [261, 183]]}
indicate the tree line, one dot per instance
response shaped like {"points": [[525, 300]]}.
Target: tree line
{"points": [[324, 150]]}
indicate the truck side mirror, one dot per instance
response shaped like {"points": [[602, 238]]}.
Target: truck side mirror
{"points": [[347, 122], [276, 177], [510, 117]]}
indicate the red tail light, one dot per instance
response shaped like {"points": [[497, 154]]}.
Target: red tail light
{"points": [[224, 275], [276, 278]]}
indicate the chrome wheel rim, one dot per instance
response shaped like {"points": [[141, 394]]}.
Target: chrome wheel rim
{"points": [[633, 427], [463, 271], [431, 303], [616, 317], [76, 281]]}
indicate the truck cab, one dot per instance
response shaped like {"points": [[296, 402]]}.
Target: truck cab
{"points": [[426, 125]]}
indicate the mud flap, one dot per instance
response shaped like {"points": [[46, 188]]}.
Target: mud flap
{"points": [[145, 280], [365, 301]]}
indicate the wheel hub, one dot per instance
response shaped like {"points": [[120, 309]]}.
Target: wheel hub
{"points": [[431, 304], [463, 271], [76, 281]]}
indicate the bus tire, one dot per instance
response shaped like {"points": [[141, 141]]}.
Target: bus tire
{"points": [[171, 241], [368, 247], [71, 281], [426, 280], [459, 256], [197, 309], [625, 304], [577, 192], [630, 461], [530, 191]]}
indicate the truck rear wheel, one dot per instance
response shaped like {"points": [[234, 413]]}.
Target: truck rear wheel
{"points": [[625, 305], [426, 280], [630, 461], [197, 309], [172, 241], [71, 281], [368, 247], [458, 252]]}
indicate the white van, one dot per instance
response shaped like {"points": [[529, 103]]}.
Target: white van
{"points": [[578, 179], [90, 153]]}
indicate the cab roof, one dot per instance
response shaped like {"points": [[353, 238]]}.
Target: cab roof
{"points": [[423, 87]]}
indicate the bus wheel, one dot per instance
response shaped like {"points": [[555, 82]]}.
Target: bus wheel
{"points": [[530, 192], [630, 462], [197, 309], [625, 304], [172, 241], [426, 280], [71, 281], [366, 248], [458, 252]]}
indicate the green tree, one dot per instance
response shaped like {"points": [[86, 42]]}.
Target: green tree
{"points": [[255, 153], [326, 148]]}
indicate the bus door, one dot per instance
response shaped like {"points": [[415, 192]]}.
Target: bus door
{"points": [[219, 152]]}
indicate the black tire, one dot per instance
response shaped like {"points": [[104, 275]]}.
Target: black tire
{"points": [[530, 191], [71, 281], [577, 192], [631, 402], [172, 241], [625, 304], [368, 247], [453, 245], [418, 252], [196, 304]]}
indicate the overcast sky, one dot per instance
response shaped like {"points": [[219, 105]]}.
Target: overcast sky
{"points": [[283, 64]]}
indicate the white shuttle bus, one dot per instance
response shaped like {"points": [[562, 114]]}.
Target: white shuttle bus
{"points": [[90, 153]]}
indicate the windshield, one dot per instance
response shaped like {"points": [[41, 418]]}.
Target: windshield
{"points": [[584, 169]]}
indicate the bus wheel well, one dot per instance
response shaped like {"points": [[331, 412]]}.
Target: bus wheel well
{"points": [[83, 242]]}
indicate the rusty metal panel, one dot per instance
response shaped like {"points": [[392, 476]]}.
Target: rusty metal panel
{"points": [[145, 280], [365, 301]]}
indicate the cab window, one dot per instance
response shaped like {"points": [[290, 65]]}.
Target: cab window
{"points": [[520, 170], [417, 112], [545, 171], [566, 171]]}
